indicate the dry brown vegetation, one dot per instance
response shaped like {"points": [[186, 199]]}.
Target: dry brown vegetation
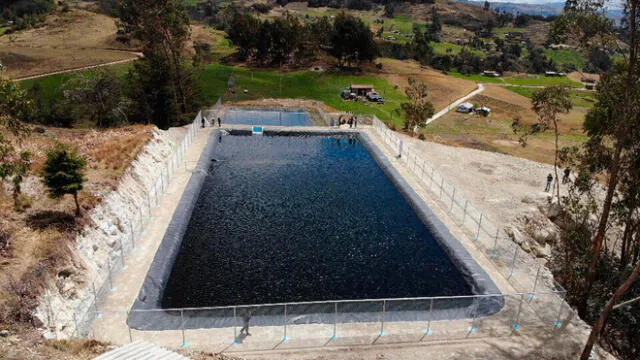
{"points": [[66, 40], [494, 133], [443, 89], [23, 344], [35, 243]]}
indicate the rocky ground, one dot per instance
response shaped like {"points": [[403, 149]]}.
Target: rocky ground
{"points": [[509, 190]]}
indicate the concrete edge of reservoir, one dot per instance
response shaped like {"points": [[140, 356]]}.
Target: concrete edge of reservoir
{"points": [[147, 312]]}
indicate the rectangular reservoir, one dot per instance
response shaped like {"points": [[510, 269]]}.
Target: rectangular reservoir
{"points": [[281, 117], [292, 217]]}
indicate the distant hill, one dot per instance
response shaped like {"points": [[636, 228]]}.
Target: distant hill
{"points": [[544, 9]]}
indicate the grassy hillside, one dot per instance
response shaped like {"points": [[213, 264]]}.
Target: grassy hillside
{"points": [[325, 87]]}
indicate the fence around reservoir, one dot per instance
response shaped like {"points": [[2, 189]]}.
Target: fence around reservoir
{"points": [[537, 304], [134, 227], [520, 269]]}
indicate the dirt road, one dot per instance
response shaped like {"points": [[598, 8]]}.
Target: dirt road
{"points": [[82, 68]]}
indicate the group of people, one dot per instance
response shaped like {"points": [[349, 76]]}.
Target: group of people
{"points": [[566, 178], [350, 119], [204, 122]]}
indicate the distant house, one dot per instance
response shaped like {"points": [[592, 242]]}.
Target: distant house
{"points": [[361, 90], [515, 36], [491, 73], [465, 108], [560, 46], [553, 74]]}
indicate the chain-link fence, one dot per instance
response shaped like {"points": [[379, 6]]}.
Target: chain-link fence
{"points": [[348, 322], [134, 225], [536, 305], [522, 271]]}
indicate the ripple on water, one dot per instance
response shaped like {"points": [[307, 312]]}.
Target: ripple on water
{"points": [[285, 219]]}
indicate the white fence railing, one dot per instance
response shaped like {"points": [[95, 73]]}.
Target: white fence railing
{"points": [[522, 271], [537, 302], [134, 225]]}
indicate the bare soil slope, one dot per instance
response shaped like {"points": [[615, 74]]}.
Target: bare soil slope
{"points": [[494, 133], [443, 89], [38, 238]]}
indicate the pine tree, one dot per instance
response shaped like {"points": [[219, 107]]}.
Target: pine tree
{"points": [[63, 173]]}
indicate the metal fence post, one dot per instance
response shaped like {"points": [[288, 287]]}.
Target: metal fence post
{"points": [[431, 185], [155, 192], [494, 252], [95, 299], [184, 343], [473, 328], [161, 182], [558, 322], [479, 226], [235, 334], [535, 283], [384, 305], [284, 337], [453, 196], [109, 268], [513, 262], [133, 234], [464, 215], [441, 187], [129, 328], [121, 252], [335, 320], [516, 325], [428, 332]]}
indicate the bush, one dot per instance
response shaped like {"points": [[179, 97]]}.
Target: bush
{"points": [[22, 203], [261, 8]]}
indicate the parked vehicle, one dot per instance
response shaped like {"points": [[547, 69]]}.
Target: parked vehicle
{"points": [[346, 94], [375, 97]]}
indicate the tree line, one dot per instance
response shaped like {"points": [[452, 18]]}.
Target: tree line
{"points": [[287, 40]]}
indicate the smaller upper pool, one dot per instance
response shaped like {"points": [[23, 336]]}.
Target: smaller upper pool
{"points": [[245, 116]]}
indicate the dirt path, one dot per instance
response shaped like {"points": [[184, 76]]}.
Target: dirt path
{"points": [[82, 68], [444, 111]]}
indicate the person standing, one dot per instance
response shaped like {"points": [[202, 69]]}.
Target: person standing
{"points": [[245, 324], [204, 120], [566, 178], [355, 122], [549, 181]]}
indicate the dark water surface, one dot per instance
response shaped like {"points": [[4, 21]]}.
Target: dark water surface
{"points": [[294, 218]]}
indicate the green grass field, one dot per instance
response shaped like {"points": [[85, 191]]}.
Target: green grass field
{"points": [[262, 83], [325, 87], [565, 57], [532, 80], [445, 48], [51, 85], [579, 98], [503, 30], [4, 29], [476, 77]]}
